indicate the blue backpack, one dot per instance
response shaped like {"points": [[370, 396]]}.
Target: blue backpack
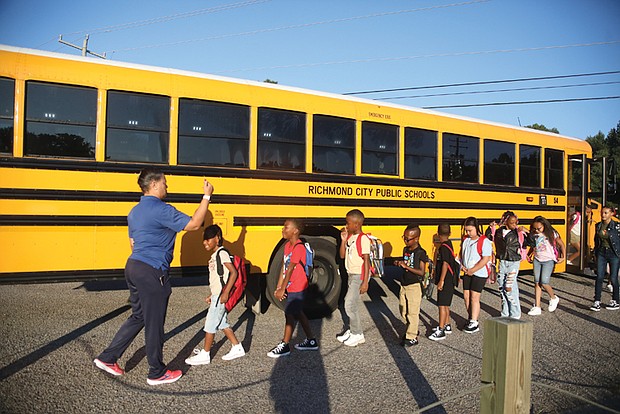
{"points": [[308, 262]]}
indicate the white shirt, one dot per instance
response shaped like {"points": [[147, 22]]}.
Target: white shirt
{"points": [[214, 277], [470, 254]]}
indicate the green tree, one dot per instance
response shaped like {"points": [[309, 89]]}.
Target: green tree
{"points": [[604, 146], [541, 127], [270, 81]]}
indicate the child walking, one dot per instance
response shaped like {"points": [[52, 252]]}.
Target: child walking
{"points": [[475, 270], [508, 250], [549, 249], [607, 250], [220, 268], [414, 262], [357, 264], [291, 286], [446, 279]]}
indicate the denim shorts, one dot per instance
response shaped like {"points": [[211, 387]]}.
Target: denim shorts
{"points": [[216, 316], [543, 271], [294, 303]]}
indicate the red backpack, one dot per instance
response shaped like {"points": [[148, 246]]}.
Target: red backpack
{"points": [[242, 279], [491, 270]]}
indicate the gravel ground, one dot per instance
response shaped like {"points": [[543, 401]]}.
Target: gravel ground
{"points": [[50, 334]]}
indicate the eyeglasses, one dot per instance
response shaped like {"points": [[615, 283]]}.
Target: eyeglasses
{"points": [[539, 228], [406, 239]]}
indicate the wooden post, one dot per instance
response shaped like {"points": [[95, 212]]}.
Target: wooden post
{"points": [[507, 363]]}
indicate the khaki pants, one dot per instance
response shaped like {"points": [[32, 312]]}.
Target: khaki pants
{"points": [[410, 300]]}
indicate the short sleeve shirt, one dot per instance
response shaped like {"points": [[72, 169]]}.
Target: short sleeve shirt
{"points": [[544, 251], [214, 277], [153, 226], [444, 254], [471, 256], [295, 254], [412, 258], [353, 260]]}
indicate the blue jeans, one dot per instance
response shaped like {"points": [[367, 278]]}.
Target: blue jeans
{"points": [[509, 288], [543, 271], [605, 256]]}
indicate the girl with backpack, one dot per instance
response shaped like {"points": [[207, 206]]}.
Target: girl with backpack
{"points": [[476, 252], [509, 245], [548, 249]]}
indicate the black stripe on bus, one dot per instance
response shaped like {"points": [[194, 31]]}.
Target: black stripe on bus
{"points": [[196, 272], [15, 220], [374, 221], [209, 171], [63, 195]]}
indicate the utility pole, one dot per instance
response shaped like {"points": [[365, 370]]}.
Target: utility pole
{"points": [[84, 47]]}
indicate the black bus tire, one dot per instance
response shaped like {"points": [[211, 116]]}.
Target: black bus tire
{"points": [[323, 293]]}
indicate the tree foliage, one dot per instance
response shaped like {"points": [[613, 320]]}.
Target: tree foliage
{"points": [[604, 146], [541, 127]]}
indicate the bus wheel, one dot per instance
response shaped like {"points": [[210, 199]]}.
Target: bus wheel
{"points": [[322, 295]]}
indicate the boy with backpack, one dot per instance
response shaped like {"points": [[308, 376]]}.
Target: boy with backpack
{"points": [[357, 263], [291, 285], [220, 269], [414, 263], [447, 274]]}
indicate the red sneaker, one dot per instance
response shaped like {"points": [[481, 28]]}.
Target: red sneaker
{"points": [[167, 378], [113, 369]]}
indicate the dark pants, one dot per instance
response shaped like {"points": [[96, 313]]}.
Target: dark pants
{"points": [[149, 291], [604, 256]]}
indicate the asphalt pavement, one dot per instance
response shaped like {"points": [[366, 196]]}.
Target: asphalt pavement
{"points": [[50, 333]]}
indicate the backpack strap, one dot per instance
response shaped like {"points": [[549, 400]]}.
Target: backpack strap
{"points": [[453, 256], [220, 266], [303, 256], [479, 244]]}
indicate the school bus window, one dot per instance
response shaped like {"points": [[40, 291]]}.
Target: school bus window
{"points": [[529, 166], [420, 154], [213, 133], [554, 169], [138, 127], [499, 162], [333, 145], [379, 147], [460, 158], [60, 120], [281, 139], [7, 103]]}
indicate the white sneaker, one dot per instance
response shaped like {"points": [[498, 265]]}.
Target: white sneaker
{"points": [[344, 336], [201, 357], [236, 351], [553, 303], [535, 311], [355, 340]]}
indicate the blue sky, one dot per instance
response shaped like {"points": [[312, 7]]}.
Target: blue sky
{"points": [[349, 46]]}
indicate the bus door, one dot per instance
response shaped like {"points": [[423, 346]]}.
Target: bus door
{"points": [[577, 219]]}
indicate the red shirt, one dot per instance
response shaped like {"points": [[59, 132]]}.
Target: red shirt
{"points": [[296, 254]]}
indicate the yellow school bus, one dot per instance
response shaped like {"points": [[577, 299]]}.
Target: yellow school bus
{"points": [[76, 131]]}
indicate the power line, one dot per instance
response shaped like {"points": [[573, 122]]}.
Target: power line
{"points": [[499, 90], [453, 54], [302, 25], [162, 19], [602, 98], [450, 85]]}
